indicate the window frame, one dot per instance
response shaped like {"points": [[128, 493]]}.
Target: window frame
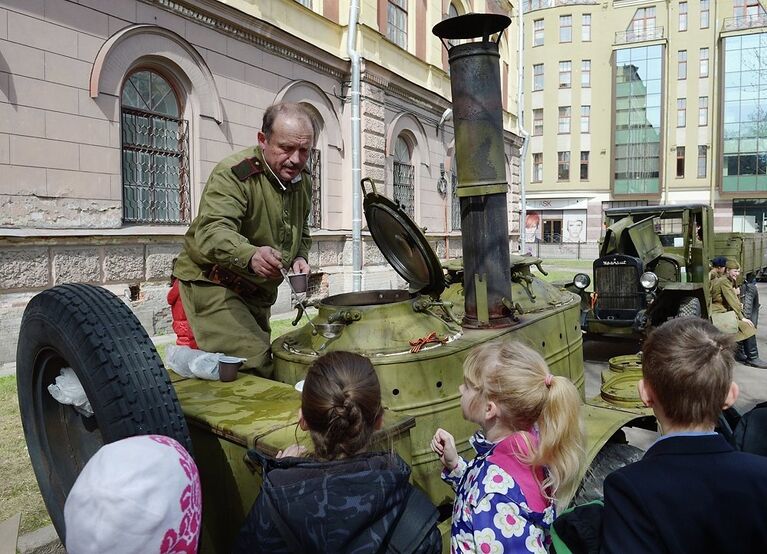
{"points": [[393, 33], [537, 122], [702, 155], [683, 16], [566, 74], [538, 75], [702, 111], [586, 117], [681, 112], [681, 66], [152, 152], [565, 30], [407, 203], [564, 120], [586, 27], [538, 33], [703, 63], [537, 176], [705, 13], [680, 162], [563, 165], [584, 163], [586, 73]]}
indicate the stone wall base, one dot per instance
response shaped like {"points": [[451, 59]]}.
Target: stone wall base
{"points": [[137, 269]]}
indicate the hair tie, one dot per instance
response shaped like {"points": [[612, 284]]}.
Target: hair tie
{"points": [[547, 380]]}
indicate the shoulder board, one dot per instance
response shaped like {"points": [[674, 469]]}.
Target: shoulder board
{"points": [[247, 168]]}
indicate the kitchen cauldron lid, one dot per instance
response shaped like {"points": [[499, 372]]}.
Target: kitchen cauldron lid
{"points": [[402, 243]]}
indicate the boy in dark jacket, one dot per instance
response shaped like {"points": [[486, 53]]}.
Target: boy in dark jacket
{"points": [[692, 492]]}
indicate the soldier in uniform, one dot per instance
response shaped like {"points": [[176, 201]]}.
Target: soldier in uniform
{"points": [[716, 271], [252, 223], [724, 298]]}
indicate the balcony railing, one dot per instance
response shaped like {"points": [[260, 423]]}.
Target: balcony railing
{"points": [[744, 22], [627, 37]]}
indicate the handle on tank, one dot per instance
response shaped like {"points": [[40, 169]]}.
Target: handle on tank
{"points": [[372, 186]]}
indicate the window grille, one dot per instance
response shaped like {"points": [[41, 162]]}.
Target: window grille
{"points": [[315, 170], [155, 152], [403, 187], [455, 203]]}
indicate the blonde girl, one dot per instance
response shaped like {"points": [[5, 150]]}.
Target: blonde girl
{"points": [[528, 450]]}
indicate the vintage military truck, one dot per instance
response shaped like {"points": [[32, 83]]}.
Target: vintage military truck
{"points": [[653, 264], [486, 296]]}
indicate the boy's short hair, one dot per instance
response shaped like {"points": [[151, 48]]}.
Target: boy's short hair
{"points": [[688, 363]]}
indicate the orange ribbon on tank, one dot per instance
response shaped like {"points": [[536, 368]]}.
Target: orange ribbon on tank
{"points": [[417, 344]]}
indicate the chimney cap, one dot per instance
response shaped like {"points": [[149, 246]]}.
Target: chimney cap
{"points": [[471, 25]]}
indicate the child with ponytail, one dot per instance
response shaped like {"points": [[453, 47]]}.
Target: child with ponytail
{"points": [[341, 498], [528, 450]]}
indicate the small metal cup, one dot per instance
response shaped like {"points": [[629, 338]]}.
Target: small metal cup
{"points": [[299, 282], [227, 368]]}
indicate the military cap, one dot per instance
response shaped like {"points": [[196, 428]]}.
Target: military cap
{"points": [[732, 264]]}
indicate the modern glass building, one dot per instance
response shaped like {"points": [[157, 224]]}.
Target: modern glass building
{"points": [[675, 101], [744, 133], [638, 76]]}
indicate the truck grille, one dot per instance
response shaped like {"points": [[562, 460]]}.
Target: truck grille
{"points": [[617, 289]]}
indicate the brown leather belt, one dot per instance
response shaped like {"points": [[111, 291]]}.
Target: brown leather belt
{"points": [[234, 282]]}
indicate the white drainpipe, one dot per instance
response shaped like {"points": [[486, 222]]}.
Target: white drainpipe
{"points": [[354, 57]]}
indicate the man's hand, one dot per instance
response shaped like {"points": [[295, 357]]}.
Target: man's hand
{"points": [[300, 265], [443, 444], [751, 323], [266, 262]]}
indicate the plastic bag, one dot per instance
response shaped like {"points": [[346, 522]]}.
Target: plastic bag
{"points": [[206, 366], [68, 390], [179, 358]]}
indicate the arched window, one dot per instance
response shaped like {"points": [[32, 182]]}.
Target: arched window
{"points": [[314, 166], [155, 151], [404, 171]]}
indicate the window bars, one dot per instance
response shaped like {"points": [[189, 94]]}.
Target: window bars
{"points": [[155, 168]]}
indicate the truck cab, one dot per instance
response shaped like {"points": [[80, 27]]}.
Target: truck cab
{"points": [[652, 265]]}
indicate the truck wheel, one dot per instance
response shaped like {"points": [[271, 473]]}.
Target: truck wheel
{"points": [[612, 456], [689, 307], [751, 302], [92, 331]]}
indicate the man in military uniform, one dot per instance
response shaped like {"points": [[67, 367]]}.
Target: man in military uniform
{"points": [[716, 271], [251, 224], [724, 298]]}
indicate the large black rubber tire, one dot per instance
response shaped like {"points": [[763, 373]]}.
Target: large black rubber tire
{"points": [[689, 306], [92, 331], [751, 302], [612, 456]]}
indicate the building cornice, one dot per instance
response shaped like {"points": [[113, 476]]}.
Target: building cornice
{"points": [[243, 26]]}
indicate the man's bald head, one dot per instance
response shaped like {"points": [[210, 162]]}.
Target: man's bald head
{"points": [[291, 110]]}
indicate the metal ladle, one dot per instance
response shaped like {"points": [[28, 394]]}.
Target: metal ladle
{"points": [[327, 330]]}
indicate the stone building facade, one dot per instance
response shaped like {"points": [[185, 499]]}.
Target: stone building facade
{"points": [[114, 112]]}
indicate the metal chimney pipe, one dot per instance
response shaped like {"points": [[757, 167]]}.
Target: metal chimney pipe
{"points": [[481, 165]]}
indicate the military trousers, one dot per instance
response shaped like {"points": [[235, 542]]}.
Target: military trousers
{"points": [[224, 321]]}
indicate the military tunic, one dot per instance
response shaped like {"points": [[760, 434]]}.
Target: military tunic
{"points": [[724, 299], [243, 206]]}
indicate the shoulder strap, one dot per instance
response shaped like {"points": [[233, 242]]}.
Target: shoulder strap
{"points": [[247, 168], [287, 535], [415, 522]]}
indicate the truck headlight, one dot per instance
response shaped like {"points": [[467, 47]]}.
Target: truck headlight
{"points": [[581, 281], [648, 280]]}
